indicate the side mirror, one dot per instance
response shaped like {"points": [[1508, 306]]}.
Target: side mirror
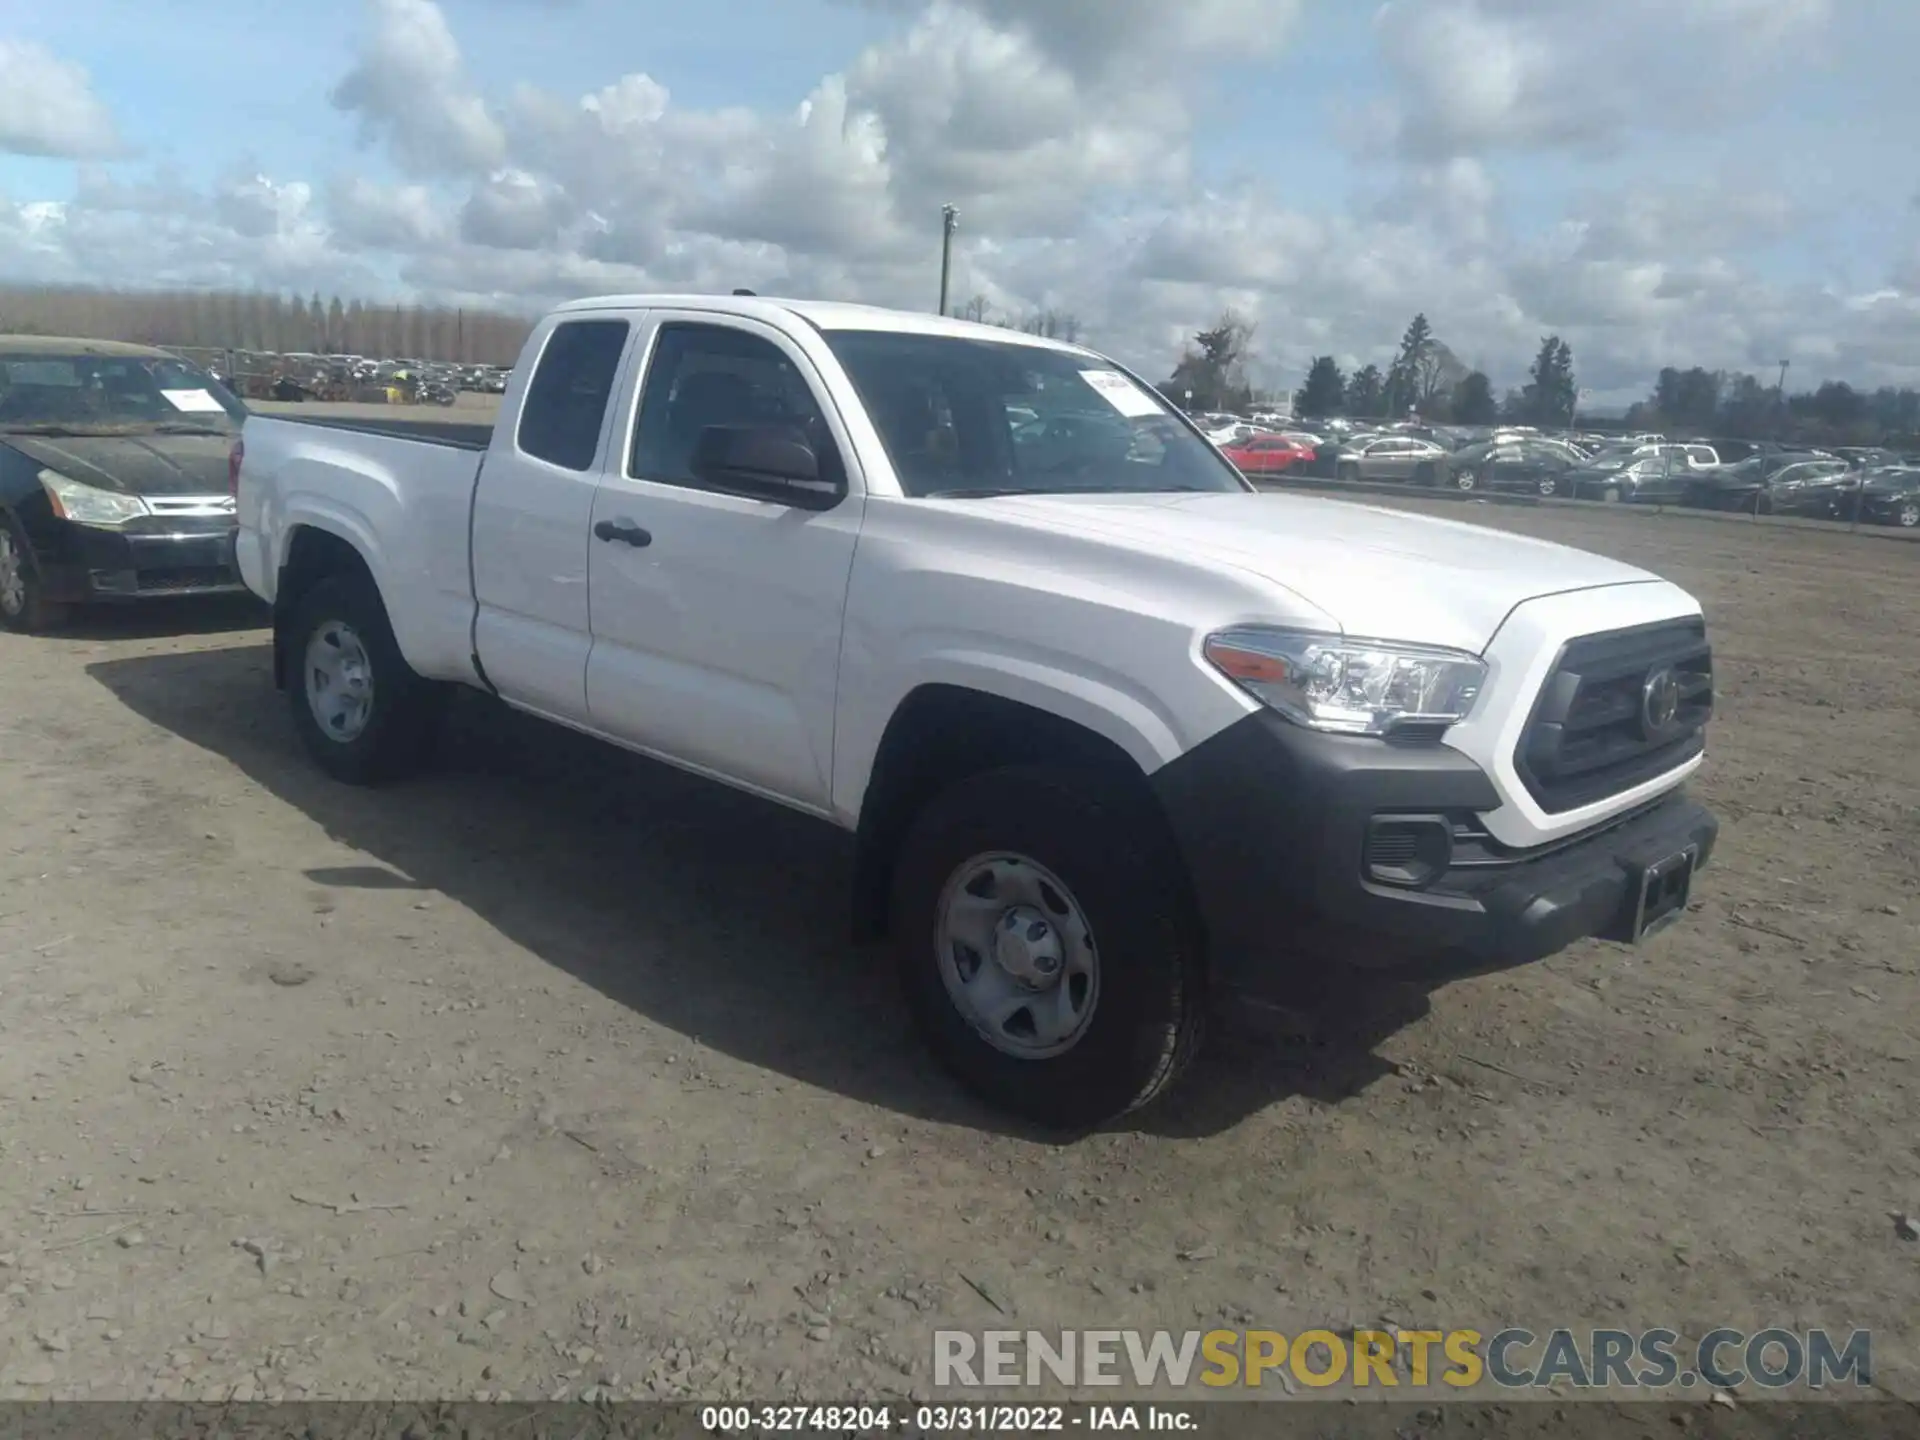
{"points": [[765, 462]]}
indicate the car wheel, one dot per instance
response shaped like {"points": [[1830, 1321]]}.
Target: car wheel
{"points": [[1611, 495], [361, 710], [1546, 485], [1465, 480], [24, 607], [1908, 515], [1425, 473], [1046, 943], [1347, 471]]}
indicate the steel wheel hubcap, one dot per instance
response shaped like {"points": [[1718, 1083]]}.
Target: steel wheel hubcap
{"points": [[1909, 516], [339, 681], [13, 577], [1017, 955]]}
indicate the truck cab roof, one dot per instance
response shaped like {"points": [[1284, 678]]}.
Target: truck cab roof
{"points": [[823, 315]]}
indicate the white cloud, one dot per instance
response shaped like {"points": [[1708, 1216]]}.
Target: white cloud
{"points": [[411, 91], [368, 215], [1480, 76], [1071, 135], [47, 107]]}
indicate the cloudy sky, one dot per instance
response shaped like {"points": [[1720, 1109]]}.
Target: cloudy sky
{"points": [[1714, 182]]}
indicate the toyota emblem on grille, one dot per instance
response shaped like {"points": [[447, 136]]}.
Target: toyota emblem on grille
{"points": [[1659, 701]]}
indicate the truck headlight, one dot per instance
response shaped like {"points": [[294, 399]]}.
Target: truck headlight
{"points": [[89, 505], [1348, 687]]}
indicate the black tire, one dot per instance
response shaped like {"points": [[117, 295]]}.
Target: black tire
{"points": [[1148, 1017], [1610, 495], [1426, 473], [24, 606], [1546, 485], [405, 709], [1908, 515], [1465, 480]]}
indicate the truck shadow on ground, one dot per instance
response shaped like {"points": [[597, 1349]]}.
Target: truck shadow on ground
{"points": [[715, 914], [154, 619]]}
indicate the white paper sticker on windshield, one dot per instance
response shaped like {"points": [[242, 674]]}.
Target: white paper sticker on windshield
{"points": [[1121, 393], [191, 400]]}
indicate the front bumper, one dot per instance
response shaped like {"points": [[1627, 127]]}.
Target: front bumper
{"points": [[159, 557], [1273, 823]]}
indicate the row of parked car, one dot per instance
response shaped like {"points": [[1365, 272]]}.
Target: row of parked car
{"points": [[1759, 477]]}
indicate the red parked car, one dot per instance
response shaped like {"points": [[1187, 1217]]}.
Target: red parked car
{"points": [[1266, 454]]}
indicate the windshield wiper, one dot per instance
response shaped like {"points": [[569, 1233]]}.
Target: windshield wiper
{"points": [[983, 492], [182, 427]]}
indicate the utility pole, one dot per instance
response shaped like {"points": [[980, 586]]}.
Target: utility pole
{"points": [[1780, 395], [949, 217]]}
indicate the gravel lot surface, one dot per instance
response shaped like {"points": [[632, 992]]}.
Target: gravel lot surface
{"points": [[551, 1072]]}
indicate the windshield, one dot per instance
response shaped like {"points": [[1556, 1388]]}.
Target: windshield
{"points": [[984, 417], [112, 395]]}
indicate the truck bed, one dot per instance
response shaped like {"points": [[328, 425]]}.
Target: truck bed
{"points": [[400, 492]]}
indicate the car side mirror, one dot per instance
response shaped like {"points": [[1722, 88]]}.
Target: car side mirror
{"points": [[765, 462]]}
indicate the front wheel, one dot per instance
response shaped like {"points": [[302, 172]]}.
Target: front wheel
{"points": [[1045, 941], [1546, 485], [24, 606], [1465, 480], [361, 710], [1908, 515], [1610, 495]]}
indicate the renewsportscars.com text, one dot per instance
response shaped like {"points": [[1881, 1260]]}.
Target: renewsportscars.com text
{"points": [[1512, 1359]]}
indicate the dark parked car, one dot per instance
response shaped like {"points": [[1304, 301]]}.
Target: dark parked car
{"points": [[1540, 466], [1642, 473], [1386, 457], [1801, 484], [114, 477], [1890, 495], [1866, 457]]}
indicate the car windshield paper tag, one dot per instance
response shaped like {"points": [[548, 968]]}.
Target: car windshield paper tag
{"points": [[1121, 393], [191, 400]]}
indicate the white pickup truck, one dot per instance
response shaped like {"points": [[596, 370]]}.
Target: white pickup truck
{"points": [[1114, 732]]}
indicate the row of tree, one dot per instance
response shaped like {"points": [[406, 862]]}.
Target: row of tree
{"points": [[1426, 378], [274, 324], [1739, 405], [1053, 324]]}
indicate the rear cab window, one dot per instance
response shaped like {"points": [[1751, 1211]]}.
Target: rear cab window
{"points": [[566, 402]]}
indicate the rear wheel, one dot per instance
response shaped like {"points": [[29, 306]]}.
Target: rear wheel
{"points": [[1046, 945], [1546, 485], [1611, 495], [24, 607], [361, 710], [1908, 515], [1465, 480]]}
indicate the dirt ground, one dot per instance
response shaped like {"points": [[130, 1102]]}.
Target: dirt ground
{"points": [[551, 1073]]}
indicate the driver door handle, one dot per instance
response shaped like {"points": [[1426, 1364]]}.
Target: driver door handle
{"points": [[624, 532]]}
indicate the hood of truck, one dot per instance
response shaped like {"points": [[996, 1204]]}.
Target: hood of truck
{"points": [[1381, 574]]}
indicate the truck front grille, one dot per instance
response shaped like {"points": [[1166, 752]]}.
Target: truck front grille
{"points": [[1617, 710]]}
